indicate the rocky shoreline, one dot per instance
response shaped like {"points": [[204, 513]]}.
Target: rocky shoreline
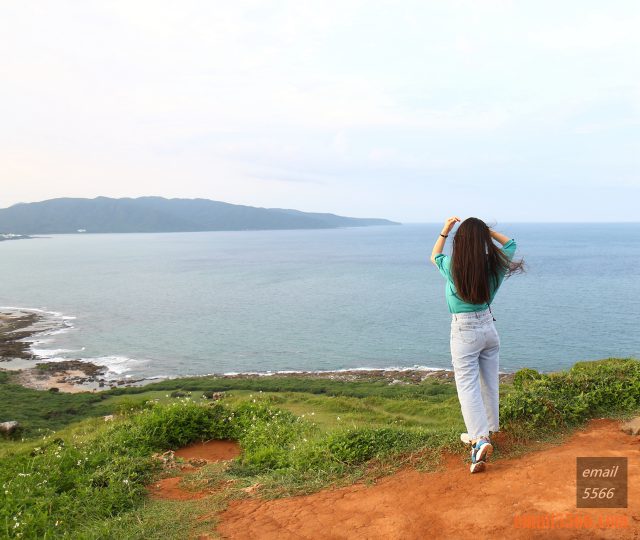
{"points": [[388, 375], [62, 376], [17, 329], [16, 356]]}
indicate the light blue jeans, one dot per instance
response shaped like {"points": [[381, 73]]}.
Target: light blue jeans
{"points": [[475, 347]]}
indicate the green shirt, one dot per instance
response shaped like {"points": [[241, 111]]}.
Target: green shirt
{"points": [[454, 302]]}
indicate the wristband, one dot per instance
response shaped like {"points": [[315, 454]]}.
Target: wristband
{"points": [[444, 235]]}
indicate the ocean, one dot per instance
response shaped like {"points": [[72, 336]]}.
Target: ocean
{"points": [[177, 304]]}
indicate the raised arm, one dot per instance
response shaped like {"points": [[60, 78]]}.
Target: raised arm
{"points": [[499, 237], [439, 245]]}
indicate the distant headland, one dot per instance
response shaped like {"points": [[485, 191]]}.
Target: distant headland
{"points": [[157, 214], [11, 236]]}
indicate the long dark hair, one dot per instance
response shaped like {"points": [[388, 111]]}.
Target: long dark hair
{"points": [[476, 260]]}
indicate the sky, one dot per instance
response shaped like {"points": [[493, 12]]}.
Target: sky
{"points": [[413, 111]]}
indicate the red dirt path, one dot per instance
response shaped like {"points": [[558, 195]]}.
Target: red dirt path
{"points": [[169, 488], [215, 450], [453, 503]]}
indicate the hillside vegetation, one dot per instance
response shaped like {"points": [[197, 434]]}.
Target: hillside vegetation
{"points": [[157, 214], [74, 475]]}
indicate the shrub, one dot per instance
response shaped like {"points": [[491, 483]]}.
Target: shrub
{"points": [[524, 375], [168, 426], [63, 484], [564, 399], [360, 445], [267, 437]]}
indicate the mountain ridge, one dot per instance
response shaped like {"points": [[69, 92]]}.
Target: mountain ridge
{"points": [[68, 215]]}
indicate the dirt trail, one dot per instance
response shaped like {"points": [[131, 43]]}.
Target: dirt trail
{"points": [[215, 450], [202, 452], [453, 503]]}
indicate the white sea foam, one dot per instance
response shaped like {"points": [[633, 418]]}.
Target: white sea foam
{"points": [[18, 309], [117, 365], [50, 354], [54, 323], [48, 315], [56, 331], [341, 370], [51, 323]]}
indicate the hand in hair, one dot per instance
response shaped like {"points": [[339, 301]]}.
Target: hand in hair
{"points": [[499, 237], [439, 245], [449, 224]]}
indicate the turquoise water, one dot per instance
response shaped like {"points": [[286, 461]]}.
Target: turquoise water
{"points": [[215, 302]]}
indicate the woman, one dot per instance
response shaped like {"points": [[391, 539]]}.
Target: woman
{"points": [[474, 272]]}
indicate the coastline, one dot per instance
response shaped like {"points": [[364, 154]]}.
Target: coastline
{"points": [[19, 328], [5, 237]]}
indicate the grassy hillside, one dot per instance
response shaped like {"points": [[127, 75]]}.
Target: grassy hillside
{"points": [[75, 475]]}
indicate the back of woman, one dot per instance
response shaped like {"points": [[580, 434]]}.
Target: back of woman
{"points": [[473, 273]]}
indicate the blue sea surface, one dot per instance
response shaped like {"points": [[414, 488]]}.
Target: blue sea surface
{"points": [[216, 302]]}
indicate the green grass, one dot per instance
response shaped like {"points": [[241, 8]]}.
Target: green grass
{"points": [[543, 403], [37, 410], [330, 412], [66, 481], [159, 520], [87, 479], [42, 412], [277, 383]]}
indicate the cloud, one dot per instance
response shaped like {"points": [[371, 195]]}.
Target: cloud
{"points": [[592, 33], [289, 176], [313, 102]]}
